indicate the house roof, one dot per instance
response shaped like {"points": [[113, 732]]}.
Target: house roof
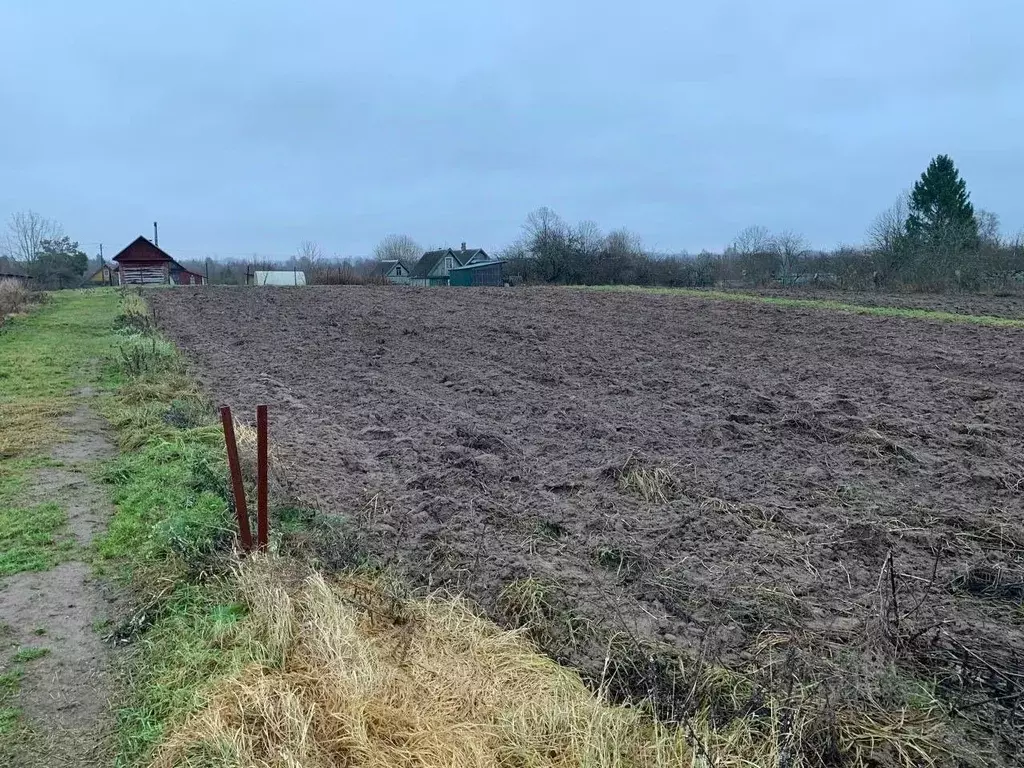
{"points": [[468, 255], [384, 267], [143, 250], [11, 268], [429, 260], [279, 277], [479, 264]]}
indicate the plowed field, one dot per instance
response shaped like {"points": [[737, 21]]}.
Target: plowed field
{"points": [[623, 471]]}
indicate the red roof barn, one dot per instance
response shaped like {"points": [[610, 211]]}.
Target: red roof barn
{"points": [[143, 263]]}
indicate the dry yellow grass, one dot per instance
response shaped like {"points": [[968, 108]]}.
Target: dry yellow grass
{"points": [[345, 674], [29, 426], [657, 485]]}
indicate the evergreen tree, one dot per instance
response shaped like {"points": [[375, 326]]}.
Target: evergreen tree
{"points": [[59, 263], [941, 213]]}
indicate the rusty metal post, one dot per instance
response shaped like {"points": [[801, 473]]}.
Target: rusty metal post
{"points": [[237, 487], [262, 525]]}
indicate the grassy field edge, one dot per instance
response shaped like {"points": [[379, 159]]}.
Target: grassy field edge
{"points": [[823, 304]]}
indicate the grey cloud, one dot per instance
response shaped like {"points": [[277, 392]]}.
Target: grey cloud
{"points": [[249, 127]]}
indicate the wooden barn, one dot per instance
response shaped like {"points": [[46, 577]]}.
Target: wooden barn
{"points": [[10, 270], [144, 263]]}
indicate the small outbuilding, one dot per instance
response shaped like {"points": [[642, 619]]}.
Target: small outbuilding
{"points": [[144, 263], [481, 273]]}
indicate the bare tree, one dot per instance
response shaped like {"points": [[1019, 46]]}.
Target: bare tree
{"points": [[397, 247], [753, 239], [543, 224], [887, 232], [623, 241], [589, 238], [789, 246], [25, 234], [988, 228], [310, 252]]}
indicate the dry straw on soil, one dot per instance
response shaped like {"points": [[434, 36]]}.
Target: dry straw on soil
{"points": [[349, 673]]}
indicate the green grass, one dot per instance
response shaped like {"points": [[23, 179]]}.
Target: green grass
{"points": [[162, 505], [9, 714], [45, 358], [14, 474], [199, 637], [58, 348], [168, 487], [827, 304], [29, 654], [29, 538]]}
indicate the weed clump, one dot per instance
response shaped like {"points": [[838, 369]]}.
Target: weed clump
{"points": [[653, 484], [14, 298]]}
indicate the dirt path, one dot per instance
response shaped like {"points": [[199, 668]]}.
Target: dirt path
{"points": [[64, 694]]}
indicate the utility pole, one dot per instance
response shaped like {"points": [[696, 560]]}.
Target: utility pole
{"points": [[156, 236]]}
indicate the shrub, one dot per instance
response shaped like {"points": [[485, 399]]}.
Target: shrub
{"points": [[343, 275], [14, 297]]}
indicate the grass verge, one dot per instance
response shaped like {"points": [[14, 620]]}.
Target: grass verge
{"points": [[835, 306], [45, 357], [169, 535]]}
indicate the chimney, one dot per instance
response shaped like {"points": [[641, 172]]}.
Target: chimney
{"points": [[463, 246]]}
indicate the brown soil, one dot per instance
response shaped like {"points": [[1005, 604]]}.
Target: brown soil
{"points": [[63, 695], [480, 437]]}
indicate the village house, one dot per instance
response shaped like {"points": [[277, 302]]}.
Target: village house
{"points": [[441, 268], [144, 263], [105, 274], [393, 270]]}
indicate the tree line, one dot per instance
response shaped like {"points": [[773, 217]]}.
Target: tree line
{"points": [[38, 248], [930, 239]]}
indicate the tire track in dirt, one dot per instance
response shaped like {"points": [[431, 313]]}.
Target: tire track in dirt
{"points": [[64, 695]]}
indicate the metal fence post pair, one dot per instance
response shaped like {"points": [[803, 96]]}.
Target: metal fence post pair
{"points": [[237, 486]]}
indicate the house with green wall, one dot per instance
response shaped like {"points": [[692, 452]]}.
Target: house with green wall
{"points": [[435, 267]]}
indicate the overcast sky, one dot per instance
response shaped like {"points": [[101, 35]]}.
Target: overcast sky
{"points": [[250, 126]]}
